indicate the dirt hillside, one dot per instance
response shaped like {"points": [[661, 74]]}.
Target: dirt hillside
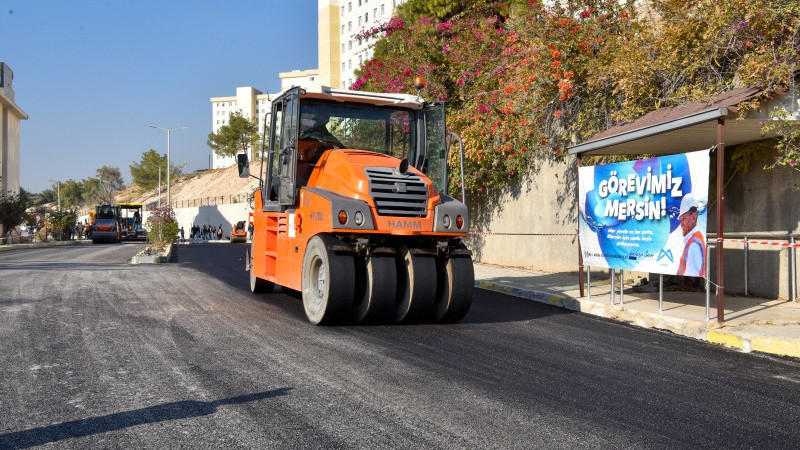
{"points": [[199, 186]]}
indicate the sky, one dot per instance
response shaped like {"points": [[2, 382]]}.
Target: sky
{"points": [[94, 75]]}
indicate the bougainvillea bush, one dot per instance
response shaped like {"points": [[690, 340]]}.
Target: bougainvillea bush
{"points": [[523, 80]]}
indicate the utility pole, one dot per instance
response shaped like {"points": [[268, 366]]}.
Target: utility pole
{"points": [[58, 189], [159, 187], [168, 166]]}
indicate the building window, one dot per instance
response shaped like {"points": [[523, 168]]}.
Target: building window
{"points": [[342, 10], [382, 10], [349, 63], [360, 60], [312, 78], [366, 18], [359, 2], [359, 42], [349, 45], [349, 6], [343, 69], [217, 121], [342, 48], [359, 20], [375, 12], [342, 29], [349, 26]]}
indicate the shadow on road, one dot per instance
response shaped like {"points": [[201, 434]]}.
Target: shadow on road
{"points": [[95, 425]]}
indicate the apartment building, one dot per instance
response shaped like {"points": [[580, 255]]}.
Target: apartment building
{"points": [[251, 103], [356, 16], [10, 117]]}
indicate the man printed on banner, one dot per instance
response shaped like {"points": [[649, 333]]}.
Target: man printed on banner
{"points": [[692, 262]]}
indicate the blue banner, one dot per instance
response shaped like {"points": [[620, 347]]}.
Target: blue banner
{"points": [[648, 215]]}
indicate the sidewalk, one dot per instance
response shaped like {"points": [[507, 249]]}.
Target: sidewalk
{"points": [[751, 324], [50, 243]]}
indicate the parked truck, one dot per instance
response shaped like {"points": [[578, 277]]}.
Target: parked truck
{"points": [[353, 209]]}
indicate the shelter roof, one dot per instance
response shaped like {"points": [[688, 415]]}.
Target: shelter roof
{"points": [[686, 127]]}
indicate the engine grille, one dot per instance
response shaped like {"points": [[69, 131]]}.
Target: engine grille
{"points": [[395, 194]]}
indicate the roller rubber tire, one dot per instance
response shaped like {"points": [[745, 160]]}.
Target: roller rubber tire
{"points": [[376, 285], [328, 283], [257, 285], [416, 287], [455, 288]]}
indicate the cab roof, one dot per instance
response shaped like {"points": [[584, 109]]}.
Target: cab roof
{"points": [[371, 98]]}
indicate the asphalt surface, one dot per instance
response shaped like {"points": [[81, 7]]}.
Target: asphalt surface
{"points": [[100, 353]]}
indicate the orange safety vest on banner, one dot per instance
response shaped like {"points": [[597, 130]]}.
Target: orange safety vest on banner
{"points": [[696, 238]]}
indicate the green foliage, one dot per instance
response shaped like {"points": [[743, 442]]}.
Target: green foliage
{"points": [[145, 172], [60, 221], [162, 227], [12, 211], [71, 193], [788, 139], [109, 183], [239, 135], [436, 9], [524, 82]]}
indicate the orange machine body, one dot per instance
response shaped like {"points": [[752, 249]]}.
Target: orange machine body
{"points": [[280, 239]]}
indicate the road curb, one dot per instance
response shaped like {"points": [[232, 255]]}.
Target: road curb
{"points": [[9, 247], [695, 330], [153, 259]]}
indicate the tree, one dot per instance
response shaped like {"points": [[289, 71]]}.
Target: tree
{"points": [[239, 135], [162, 227], [71, 193], [145, 172], [12, 211], [90, 186], [109, 182], [60, 221], [46, 196]]}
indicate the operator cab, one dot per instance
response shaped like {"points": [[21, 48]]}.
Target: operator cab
{"points": [[307, 123]]}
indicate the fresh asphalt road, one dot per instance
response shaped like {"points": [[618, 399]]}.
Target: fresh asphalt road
{"points": [[97, 353]]}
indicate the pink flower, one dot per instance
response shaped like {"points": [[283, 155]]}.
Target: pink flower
{"points": [[460, 82], [444, 26], [425, 20], [483, 108]]}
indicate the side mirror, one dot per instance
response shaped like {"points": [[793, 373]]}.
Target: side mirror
{"points": [[243, 165]]}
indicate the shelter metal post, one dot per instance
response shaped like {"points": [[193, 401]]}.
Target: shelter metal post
{"points": [[746, 268], [589, 282], [708, 282], [621, 287], [720, 219], [578, 205], [660, 291], [612, 286], [793, 257]]}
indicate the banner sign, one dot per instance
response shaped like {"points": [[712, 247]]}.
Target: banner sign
{"points": [[648, 215]]}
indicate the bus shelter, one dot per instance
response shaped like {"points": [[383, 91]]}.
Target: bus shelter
{"points": [[715, 123]]}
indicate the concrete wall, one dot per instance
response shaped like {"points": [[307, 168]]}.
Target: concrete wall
{"points": [[210, 215], [541, 207]]}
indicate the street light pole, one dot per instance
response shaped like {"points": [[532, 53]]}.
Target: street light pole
{"points": [[58, 189], [168, 166]]}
